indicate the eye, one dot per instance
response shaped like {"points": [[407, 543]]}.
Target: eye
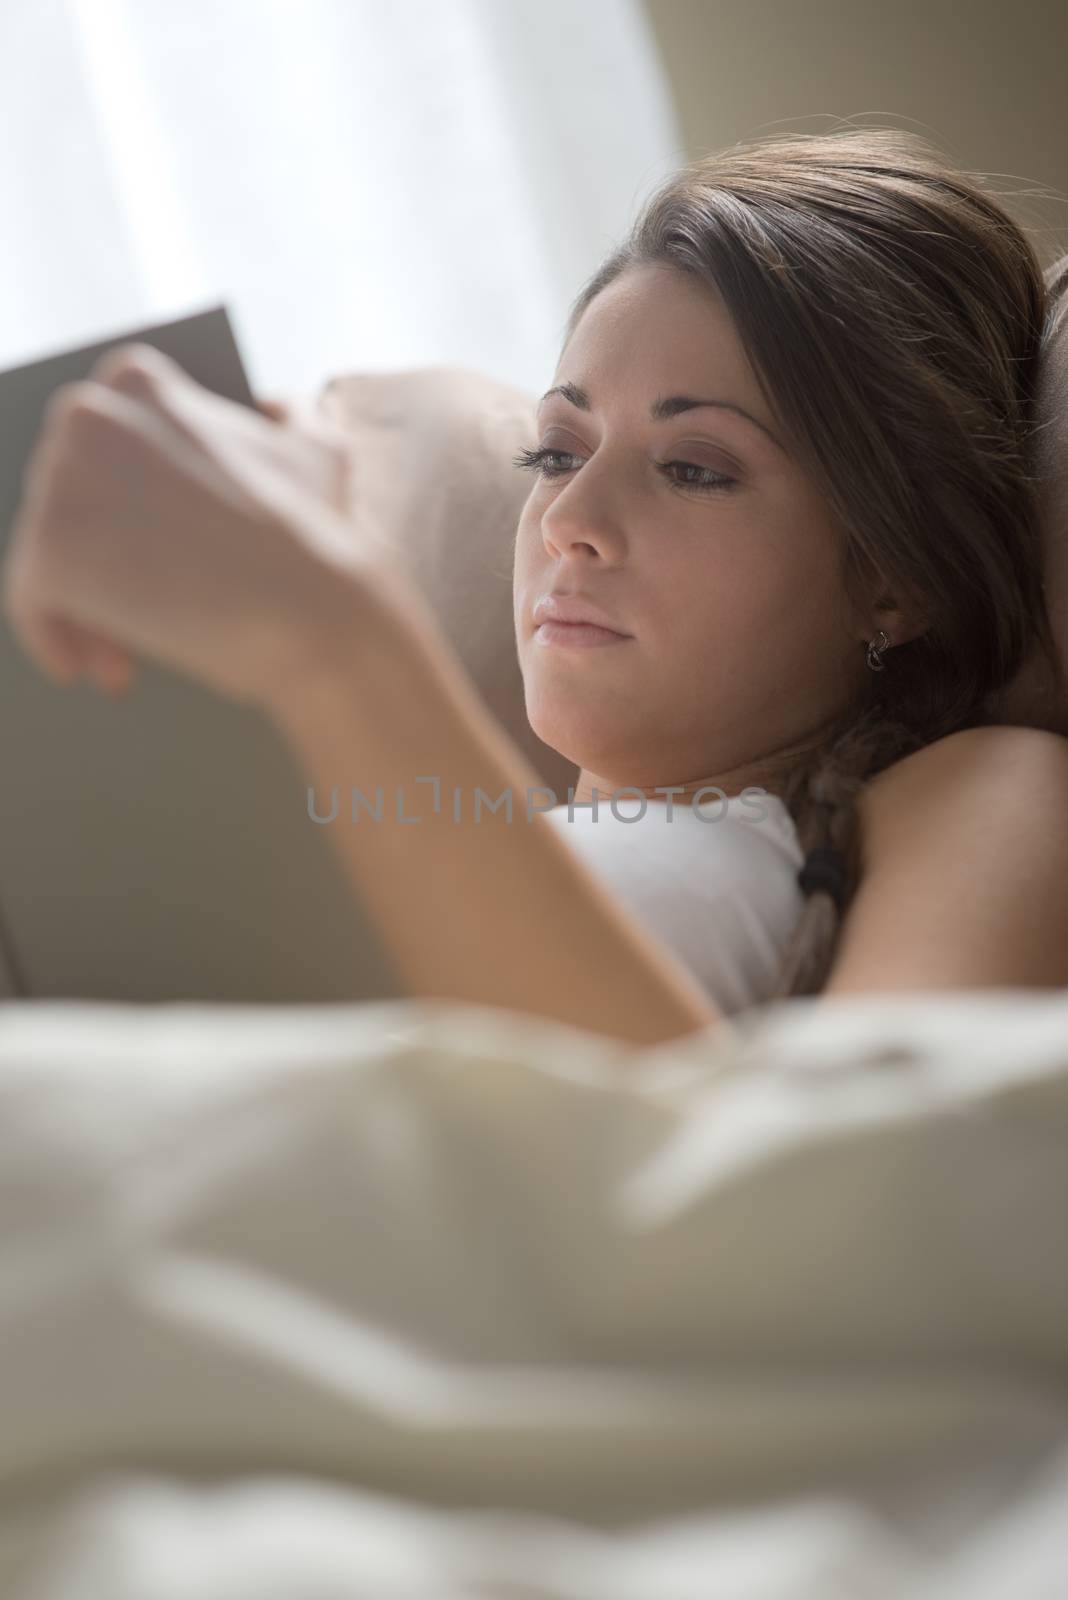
{"points": [[540, 461]]}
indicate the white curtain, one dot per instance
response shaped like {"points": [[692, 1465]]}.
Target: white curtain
{"points": [[367, 185]]}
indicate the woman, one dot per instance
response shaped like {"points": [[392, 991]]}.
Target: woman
{"points": [[823, 575]]}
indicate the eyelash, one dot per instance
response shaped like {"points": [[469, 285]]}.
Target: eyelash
{"points": [[534, 461]]}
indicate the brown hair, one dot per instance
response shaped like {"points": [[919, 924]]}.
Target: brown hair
{"points": [[894, 315]]}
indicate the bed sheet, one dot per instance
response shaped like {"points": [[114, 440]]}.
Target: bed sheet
{"points": [[421, 1298]]}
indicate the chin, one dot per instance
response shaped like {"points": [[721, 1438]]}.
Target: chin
{"points": [[565, 734], [577, 737]]}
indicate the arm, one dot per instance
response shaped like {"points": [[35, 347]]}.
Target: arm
{"points": [[964, 885], [493, 912], [167, 521]]}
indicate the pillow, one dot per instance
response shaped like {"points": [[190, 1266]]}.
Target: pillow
{"points": [[1027, 699], [433, 481]]}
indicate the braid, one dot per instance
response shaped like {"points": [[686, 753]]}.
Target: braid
{"points": [[822, 796]]}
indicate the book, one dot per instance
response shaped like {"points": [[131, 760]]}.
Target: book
{"points": [[160, 847]]}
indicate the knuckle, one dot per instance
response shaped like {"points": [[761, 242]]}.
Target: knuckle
{"points": [[74, 423], [67, 401], [83, 422], [126, 368]]}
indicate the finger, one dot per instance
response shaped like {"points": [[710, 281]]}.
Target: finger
{"points": [[157, 386], [122, 679], [50, 645], [104, 663], [277, 410], [110, 667], [137, 369], [67, 652]]}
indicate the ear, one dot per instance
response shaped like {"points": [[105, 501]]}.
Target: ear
{"points": [[900, 620]]}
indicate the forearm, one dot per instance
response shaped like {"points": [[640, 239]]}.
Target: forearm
{"points": [[494, 911]]}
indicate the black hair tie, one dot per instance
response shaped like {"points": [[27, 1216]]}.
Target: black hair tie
{"points": [[824, 868]]}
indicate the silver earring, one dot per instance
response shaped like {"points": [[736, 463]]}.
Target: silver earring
{"points": [[876, 647]]}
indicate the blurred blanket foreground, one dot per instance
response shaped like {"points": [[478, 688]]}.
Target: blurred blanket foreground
{"points": [[420, 1299]]}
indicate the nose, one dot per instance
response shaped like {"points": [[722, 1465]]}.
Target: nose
{"points": [[581, 522]]}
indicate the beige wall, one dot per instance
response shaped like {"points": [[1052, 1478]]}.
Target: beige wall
{"points": [[986, 79]]}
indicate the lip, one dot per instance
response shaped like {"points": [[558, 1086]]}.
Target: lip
{"points": [[573, 610], [581, 634]]}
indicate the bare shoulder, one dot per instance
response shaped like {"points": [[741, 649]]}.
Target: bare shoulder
{"points": [[964, 867], [1006, 769]]}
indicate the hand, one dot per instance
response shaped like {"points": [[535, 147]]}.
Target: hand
{"points": [[329, 461], [158, 518]]}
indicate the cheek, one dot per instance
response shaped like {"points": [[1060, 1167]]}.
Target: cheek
{"points": [[526, 547], [735, 594], [747, 619], [521, 556]]}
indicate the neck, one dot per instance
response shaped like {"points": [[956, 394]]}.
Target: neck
{"points": [[768, 772]]}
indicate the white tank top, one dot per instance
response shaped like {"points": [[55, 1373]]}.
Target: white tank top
{"points": [[716, 882]]}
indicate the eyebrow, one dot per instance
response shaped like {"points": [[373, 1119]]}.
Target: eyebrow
{"points": [[663, 408]]}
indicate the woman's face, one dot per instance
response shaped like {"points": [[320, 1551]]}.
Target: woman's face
{"points": [[741, 640]]}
